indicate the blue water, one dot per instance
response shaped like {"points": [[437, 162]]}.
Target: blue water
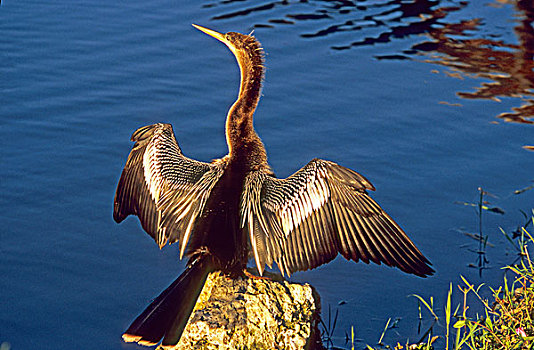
{"points": [[386, 88]]}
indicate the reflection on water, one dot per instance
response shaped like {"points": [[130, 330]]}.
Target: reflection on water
{"points": [[464, 46], [508, 66], [389, 19], [393, 20]]}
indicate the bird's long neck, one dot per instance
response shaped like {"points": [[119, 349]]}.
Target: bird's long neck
{"points": [[240, 134]]}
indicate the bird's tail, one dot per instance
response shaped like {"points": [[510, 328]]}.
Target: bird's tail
{"points": [[167, 316]]}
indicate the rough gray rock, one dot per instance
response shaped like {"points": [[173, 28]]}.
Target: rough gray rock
{"points": [[252, 313]]}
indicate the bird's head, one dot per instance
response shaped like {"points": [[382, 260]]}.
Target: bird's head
{"points": [[245, 48]]}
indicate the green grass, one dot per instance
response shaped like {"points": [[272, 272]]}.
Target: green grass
{"points": [[507, 318]]}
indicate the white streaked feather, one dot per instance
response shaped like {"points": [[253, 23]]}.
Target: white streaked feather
{"points": [[302, 213], [287, 224], [152, 177], [183, 243], [255, 247], [293, 217], [184, 211], [316, 199], [307, 203]]}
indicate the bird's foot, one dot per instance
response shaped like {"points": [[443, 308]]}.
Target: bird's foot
{"points": [[249, 274]]}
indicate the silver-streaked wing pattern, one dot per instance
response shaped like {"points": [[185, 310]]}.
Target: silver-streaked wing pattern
{"points": [[323, 209], [165, 189]]}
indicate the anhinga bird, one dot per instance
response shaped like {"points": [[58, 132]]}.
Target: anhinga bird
{"points": [[234, 207]]}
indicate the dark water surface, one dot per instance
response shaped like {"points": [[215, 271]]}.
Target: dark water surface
{"points": [[427, 99]]}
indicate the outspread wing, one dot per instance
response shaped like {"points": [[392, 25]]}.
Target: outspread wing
{"points": [[165, 189], [304, 221]]}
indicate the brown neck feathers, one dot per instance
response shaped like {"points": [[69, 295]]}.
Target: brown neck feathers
{"points": [[239, 123]]}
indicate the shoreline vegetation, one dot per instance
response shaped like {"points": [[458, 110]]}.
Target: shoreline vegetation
{"points": [[507, 317], [485, 318]]}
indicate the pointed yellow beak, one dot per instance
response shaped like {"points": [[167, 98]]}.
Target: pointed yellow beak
{"points": [[212, 33], [218, 36]]}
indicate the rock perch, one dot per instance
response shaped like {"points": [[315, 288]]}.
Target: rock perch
{"points": [[253, 313]]}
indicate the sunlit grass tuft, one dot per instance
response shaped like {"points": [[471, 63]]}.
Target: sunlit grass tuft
{"points": [[507, 318]]}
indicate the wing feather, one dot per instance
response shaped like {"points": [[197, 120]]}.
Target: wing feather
{"points": [[321, 210], [165, 189]]}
